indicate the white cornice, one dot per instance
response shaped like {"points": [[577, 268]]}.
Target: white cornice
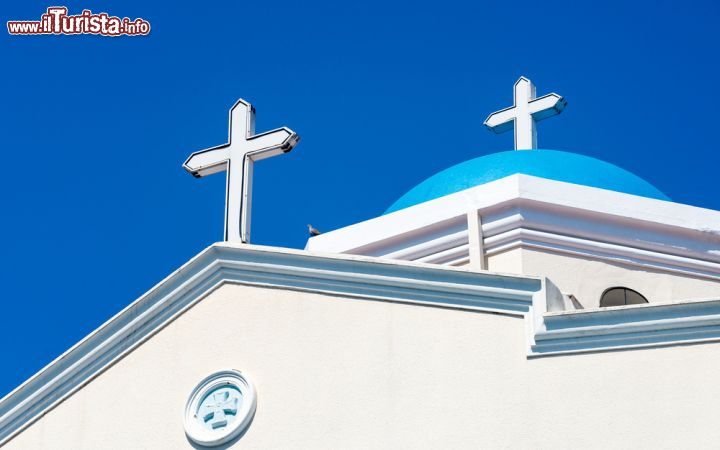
{"points": [[625, 327], [598, 250], [531, 212], [349, 276], [529, 298]]}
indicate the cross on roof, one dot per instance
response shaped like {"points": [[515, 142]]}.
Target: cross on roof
{"points": [[237, 157], [525, 113]]}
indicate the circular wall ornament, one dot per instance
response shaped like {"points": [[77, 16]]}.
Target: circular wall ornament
{"points": [[219, 408]]}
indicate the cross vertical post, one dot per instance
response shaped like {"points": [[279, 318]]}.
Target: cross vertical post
{"points": [[237, 158], [525, 132]]}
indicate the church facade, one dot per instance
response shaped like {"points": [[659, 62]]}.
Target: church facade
{"points": [[525, 299]]}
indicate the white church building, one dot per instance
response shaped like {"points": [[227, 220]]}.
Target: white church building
{"points": [[533, 299]]}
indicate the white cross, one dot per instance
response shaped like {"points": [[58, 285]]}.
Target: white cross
{"points": [[218, 410], [237, 157], [525, 113]]}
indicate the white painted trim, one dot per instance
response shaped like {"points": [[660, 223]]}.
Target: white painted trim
{"points": [[628, 327], [349, 276], [587, 249], [476, 241], [382, 231], [430, 247], [547, 333], [525, 211], [448, 257]]}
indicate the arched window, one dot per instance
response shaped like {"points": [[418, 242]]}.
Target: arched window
{"points": [[621, 296]]}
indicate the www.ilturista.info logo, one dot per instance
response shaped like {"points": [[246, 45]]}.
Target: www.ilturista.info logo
{"points": [[56, 21]]}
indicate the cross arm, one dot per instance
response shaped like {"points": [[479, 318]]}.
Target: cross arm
{"points": [[208, 161], [546, 106], [501, 121], [272, 143]]}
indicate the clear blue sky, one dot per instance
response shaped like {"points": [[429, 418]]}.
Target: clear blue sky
{"points": [[96, 207]]}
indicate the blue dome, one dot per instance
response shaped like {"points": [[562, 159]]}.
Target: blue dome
{"points": [[552, 164]]}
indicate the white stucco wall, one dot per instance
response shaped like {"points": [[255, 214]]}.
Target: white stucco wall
{"points": [[587, 279], [333, 373], [506, 262]]}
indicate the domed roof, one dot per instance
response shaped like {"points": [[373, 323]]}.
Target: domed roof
{"points": [[552, 164]]}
